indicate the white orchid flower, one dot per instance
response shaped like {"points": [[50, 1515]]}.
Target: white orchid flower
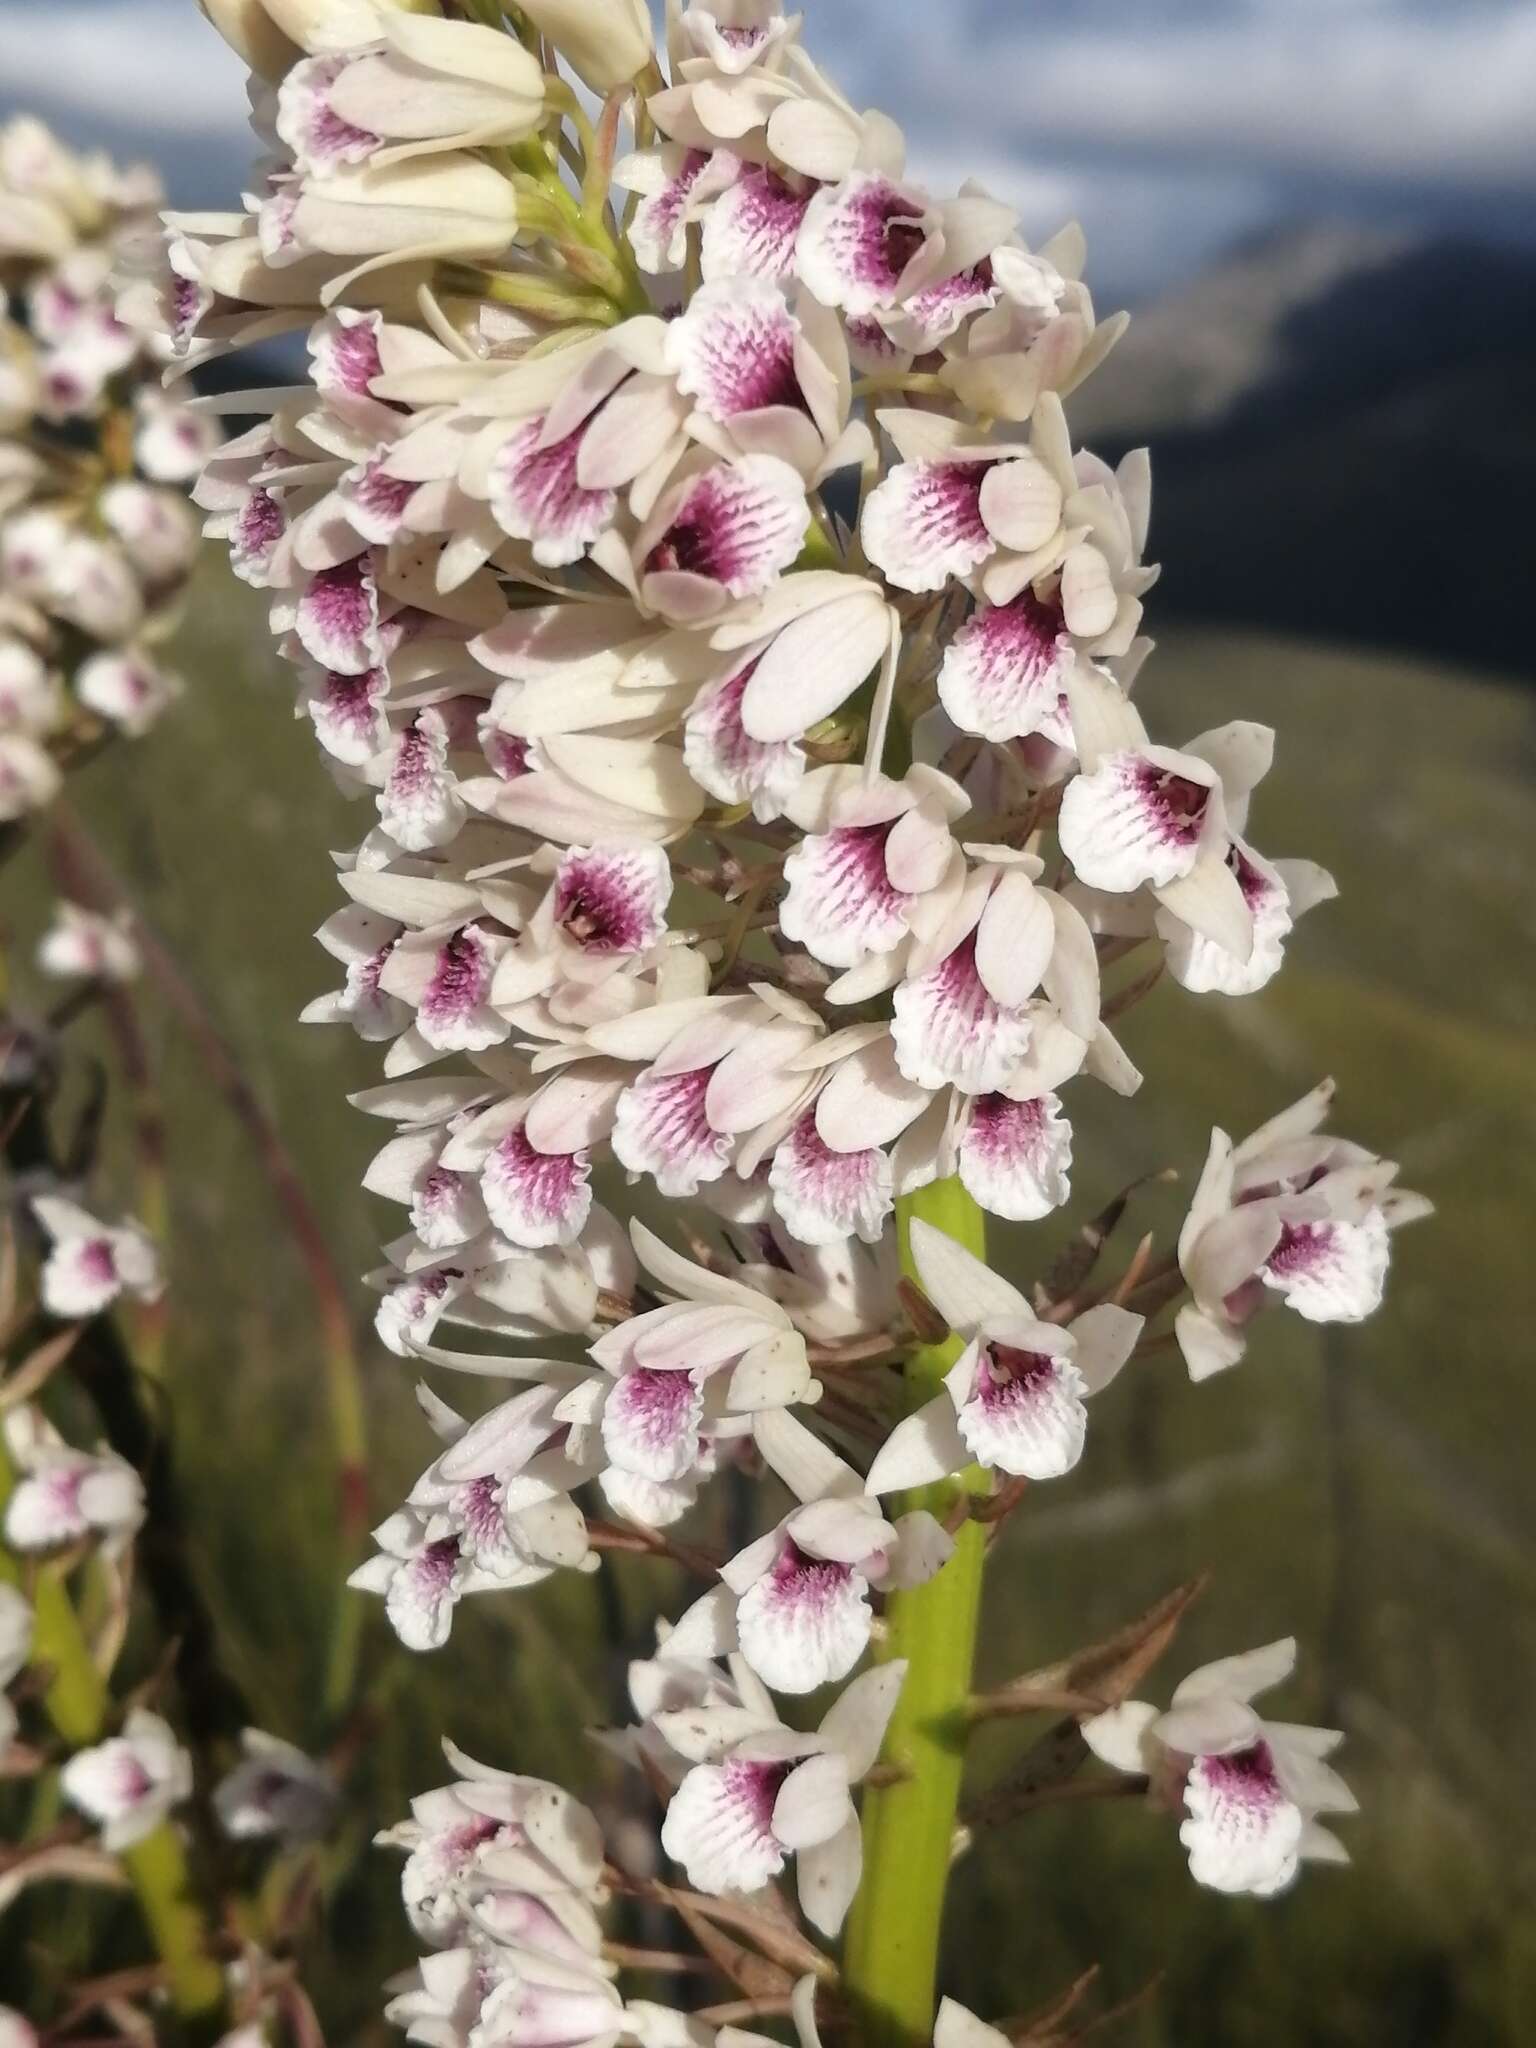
{"points": [[1015, 1400]]}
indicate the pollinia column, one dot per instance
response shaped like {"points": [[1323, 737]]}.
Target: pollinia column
{"points": [[679, 544]]}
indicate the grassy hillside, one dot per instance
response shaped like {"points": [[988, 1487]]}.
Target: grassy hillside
{"points": [[1367, 1490]]}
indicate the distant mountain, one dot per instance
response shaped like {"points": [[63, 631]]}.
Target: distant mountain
{"points": [[1344, 437]]}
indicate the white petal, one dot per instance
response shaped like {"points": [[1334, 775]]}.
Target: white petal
{"points": [[841, 903], [925, 1447], [825, 1197], [947, 1029], [1332, 1272], [726, 760], [857, 240], [1004, 673], [1014, 940], [805, 1622], [827, 1878], [660, 1129], [962, 1287], [1138, 818], [1015, 1157], [923, 526], [719, 1826], [733, 350], [751, 229], [813, 1804], [1103, 1340], [1119, 1736], [651, 1424], [1025, 1414], [1243, 1834], [536, 1198]]}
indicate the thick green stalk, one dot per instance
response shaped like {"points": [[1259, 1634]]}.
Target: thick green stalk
{"points": [[79, 1704], [891, 1955]]}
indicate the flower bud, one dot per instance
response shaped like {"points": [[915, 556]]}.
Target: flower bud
{"points": [[442, 80], [322, 25], [451, 205], [606, 41], [252, 34]]}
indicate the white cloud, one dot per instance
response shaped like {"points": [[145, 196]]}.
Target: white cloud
{"points": [[1376, 93]]}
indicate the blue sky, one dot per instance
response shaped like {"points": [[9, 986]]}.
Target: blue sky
{"points": [[1169, 130]]}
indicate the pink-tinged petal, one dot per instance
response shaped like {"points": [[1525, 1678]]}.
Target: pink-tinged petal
{"points": [[840, 903], [1004, 674], [446, 1210], [257, 528], [923, 525], [751, 230], [947, 1029], [661, 1129], [321, 141], [857, 240], [1015, 1157], [651, 1422], [724, 760], [453, 1014], [536, 496], [510, 755], [410, 1311], [1243, 1833], [373, 1014], [738, 526], [1025, 1414], [1332, 1272], [805, 1622], [374, 502], [422, 1594], [733, 351], [719, 1826], [734, 47], [611, 900], [870, 347], [348, 715], [1138, 818], [536, 1198], [419, 804], [658, 233], [337, 619], [1200, 964], [344, 358], [81, 1276], [825, 1197], [939, 310]]}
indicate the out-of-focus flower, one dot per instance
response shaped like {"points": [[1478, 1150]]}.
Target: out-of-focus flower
{"points": [[65, 1496], [86, 945], [92, 1263], [131, 1782], [275, 1790]]}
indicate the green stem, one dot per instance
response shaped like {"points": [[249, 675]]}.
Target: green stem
{"points": [[79, 1705], [891, 1957]]}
